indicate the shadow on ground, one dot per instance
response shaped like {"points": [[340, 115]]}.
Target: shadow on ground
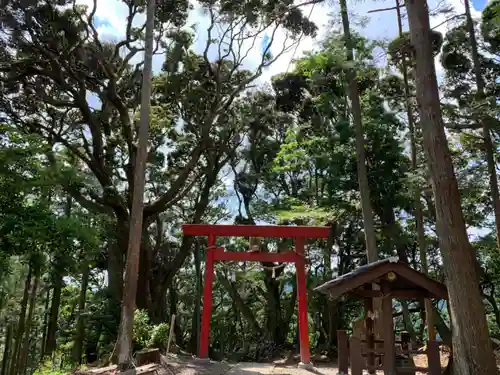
{"points": [[186, 365]]}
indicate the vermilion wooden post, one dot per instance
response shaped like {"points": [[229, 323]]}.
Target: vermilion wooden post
{"points": [[305, 356], [273, 231], [207, 298]]}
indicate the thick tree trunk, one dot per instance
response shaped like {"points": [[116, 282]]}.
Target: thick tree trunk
{"points": [[419, 217], [116, 248], [7, 350], [471, 345], [397, 242], [60, 272], [364, 188], [124, 341], [197, 310], [274, 318], [80, 326], [240, 304], [51, 344], [179, 337], [488, 145], [23, 357], [45, 321], [144, 296], [20, 325]]}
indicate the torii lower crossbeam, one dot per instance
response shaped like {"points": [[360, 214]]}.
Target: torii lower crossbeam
{"points": [[298, 233]]}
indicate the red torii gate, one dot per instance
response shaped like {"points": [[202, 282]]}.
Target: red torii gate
{"points": [[214, 253]]}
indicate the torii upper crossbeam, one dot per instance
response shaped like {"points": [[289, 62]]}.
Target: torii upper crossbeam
{"points": [[298, 233]]}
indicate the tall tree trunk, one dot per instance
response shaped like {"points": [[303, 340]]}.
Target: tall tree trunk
{"points": [[419, 217], [275, 324], [197, 309], [240, 303], [20, 325], [471, 345], [7, 350], [488, 146], [144, 300], [364, 188], [124, 341], [60, 272], [80, 327], [397, 241], [179, 337], [51, 344], [23, 357], [45, 321], [119, 234]]}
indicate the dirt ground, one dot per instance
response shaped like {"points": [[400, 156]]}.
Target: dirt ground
{"points": [[186, 365]]}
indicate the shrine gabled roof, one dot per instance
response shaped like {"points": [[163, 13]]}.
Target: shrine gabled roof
{"points": [[407, 279]]}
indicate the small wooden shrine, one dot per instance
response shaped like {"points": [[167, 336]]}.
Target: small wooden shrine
{"points": [[383, 280]]}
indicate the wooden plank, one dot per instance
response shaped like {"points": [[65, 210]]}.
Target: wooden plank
{"points": [[287, 257], [437, 289], [343, 351], [149, 369], [412, 369], [268, 231], [382, 341], [405, 341], [102, 370], [401, 293], [388, 325], [433, 358], [147, 356], [369, 335], [349, 283], [370, 276], [356, 358]]}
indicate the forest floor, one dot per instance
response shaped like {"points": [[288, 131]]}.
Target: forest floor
{"points": [[187, 365], [176, 365]]}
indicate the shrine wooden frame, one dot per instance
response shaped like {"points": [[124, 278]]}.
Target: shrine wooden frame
{"points": [[215, 253]]}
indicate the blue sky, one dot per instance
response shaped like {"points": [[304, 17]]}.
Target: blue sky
{"points": [[111, 15], [479, 4], [111, 21]]}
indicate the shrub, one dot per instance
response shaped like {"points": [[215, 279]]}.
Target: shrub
{"points": [[159, 336]]}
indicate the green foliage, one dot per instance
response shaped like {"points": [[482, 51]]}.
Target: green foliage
{"points": [[49, 371], [282, 153], [159, 336], [142, 328], [48, 368], [490, 25], [147, 335], [401, 48]]}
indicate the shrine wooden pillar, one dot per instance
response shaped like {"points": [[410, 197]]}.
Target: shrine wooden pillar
{"points": [[388, 324], [299, 233], [369, 334], [343, 352], [305, 356], [207, 298]]}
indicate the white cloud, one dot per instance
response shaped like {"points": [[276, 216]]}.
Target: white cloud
{"points": [[112, 12], [380, 25], [318, 14]]}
